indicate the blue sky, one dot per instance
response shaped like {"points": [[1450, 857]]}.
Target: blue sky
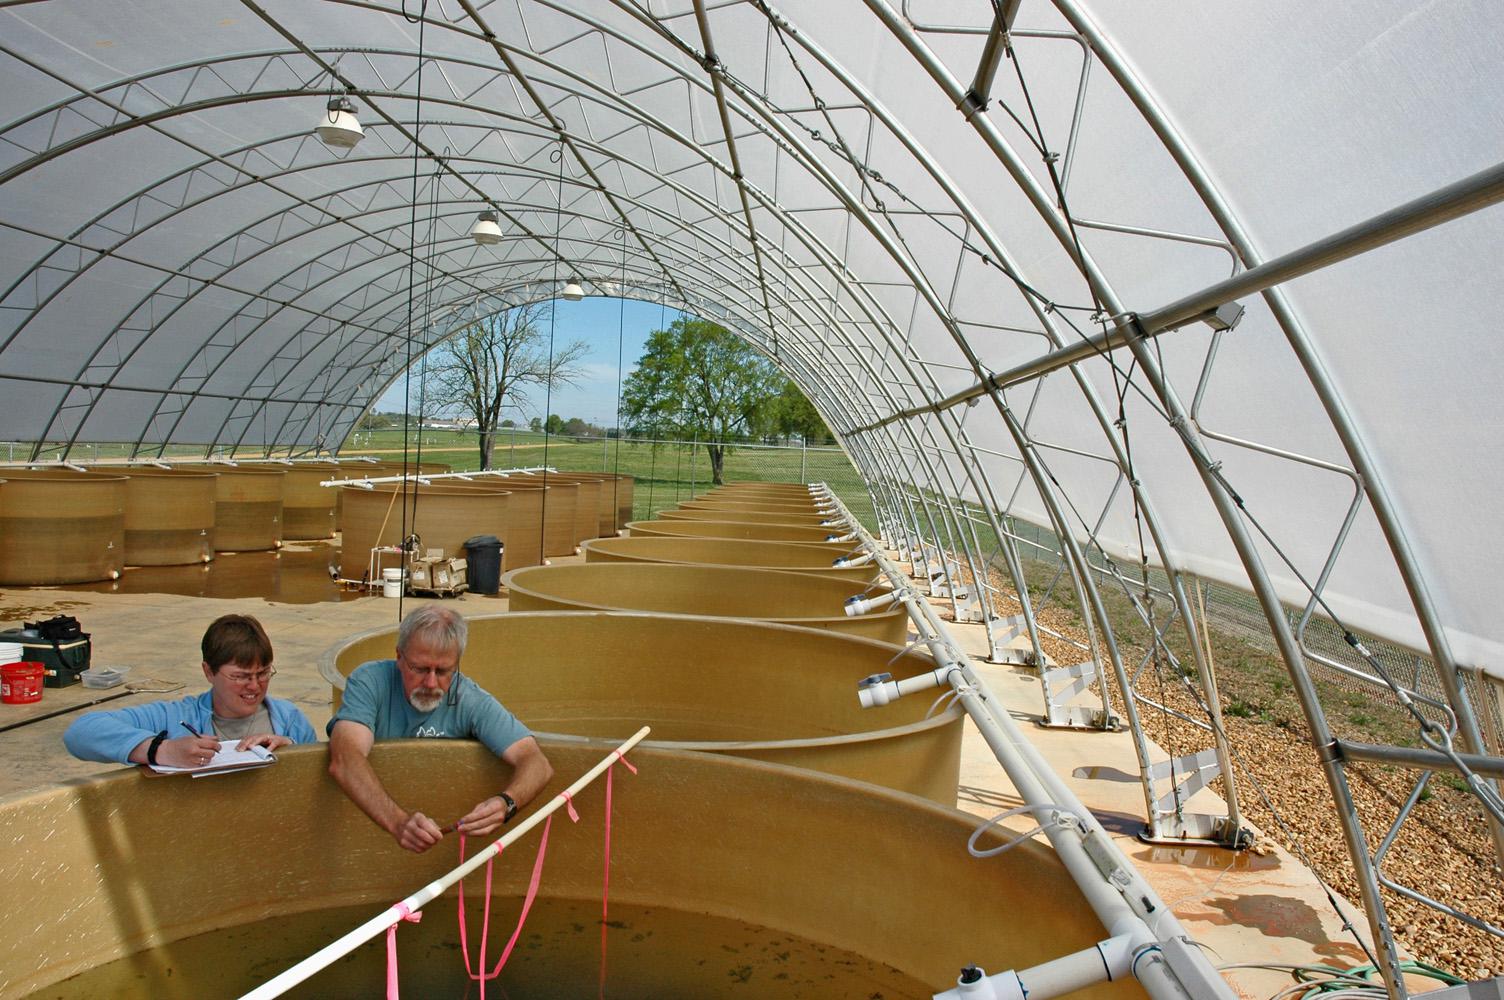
{"points": [[601, 323]]}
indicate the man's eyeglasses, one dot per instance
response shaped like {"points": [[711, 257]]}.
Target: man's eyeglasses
{"points": [[440, 673], [256, 677]]}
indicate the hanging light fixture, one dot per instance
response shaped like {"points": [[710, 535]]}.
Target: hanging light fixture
{"points": [[338, 126], [486, 231], [572, 291]]}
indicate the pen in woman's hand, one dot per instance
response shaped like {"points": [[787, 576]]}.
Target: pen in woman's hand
{"points": [[185, 725]]}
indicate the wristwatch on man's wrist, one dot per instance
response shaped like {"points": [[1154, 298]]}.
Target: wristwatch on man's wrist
{"points": [[511, 805]]}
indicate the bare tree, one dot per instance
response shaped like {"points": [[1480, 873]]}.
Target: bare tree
{"points": [[493, 362]]}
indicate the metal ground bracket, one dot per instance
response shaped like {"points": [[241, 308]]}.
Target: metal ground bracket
{"points": [[1075, 679], [1172, 825], [1008, 643]]}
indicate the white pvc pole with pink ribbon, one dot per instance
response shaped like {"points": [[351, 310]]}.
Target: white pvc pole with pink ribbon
{"points": [[335, 950]]}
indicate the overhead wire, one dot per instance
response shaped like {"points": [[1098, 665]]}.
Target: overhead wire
{"points": [[548, 372], [412, 262], [621, 335]]}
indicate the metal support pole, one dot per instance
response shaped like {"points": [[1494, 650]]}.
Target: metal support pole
{"points": [[1227, 510]]}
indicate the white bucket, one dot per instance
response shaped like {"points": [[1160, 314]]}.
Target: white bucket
{"points": [[11, 652], [391, 582]]}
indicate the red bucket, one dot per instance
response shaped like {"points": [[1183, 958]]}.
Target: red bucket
{"points": [[21, 683]]}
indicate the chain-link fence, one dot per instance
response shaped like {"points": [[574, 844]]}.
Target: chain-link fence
{"points": [[1341, 674]]}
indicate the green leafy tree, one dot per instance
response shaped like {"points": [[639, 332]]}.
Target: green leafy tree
{"points": [[374, 421], [535, 425], [554, 424], [790, 414], [698, 380], [494, 362]]}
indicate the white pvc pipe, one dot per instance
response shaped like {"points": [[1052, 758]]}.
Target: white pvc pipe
{"points": [[1116, 892], [861, 560], [880, 689], [1110, 960], [327, 955], [365, 482], [860, 605]]}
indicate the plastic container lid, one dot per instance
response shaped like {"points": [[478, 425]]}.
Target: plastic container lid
{"points": [[104, 677]]}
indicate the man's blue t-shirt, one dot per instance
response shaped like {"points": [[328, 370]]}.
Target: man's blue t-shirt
{"points": [[374, 698]]}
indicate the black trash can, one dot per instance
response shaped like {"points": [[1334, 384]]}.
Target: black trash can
{"points": [[483, 564]]}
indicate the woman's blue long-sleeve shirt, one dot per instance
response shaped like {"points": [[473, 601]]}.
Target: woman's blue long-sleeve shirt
{"points": [[110, 736]]}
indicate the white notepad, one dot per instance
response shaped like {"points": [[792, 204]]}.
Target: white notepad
{"points": [[227, 758]]}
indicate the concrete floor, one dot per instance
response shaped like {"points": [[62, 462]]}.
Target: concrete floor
{"points": [[1242, 907]]}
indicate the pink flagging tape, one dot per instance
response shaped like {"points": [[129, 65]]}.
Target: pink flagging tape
{"points": [[606, 873], [479, 973], [527, 901], [404, 914], [485, 924]]}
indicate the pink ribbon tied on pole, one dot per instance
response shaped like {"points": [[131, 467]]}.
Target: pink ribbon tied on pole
{"points": [[403, 914]]}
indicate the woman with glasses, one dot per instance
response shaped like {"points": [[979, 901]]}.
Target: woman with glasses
{"points": [[186, 733]]}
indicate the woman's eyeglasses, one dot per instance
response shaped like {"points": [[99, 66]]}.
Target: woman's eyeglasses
{"points": [[244, 678]]}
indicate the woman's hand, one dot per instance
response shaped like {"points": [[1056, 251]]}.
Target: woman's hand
{"points": [[269, 740], [187, 751]]}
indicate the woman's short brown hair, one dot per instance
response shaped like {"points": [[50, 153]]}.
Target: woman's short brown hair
{"points": [[236, 639]]}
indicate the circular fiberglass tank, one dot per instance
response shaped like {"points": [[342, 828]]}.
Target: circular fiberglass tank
{"points": [[810, 520], [751, 689], [682, 528], [557, 505], [445, 516], [721, 591], [247, 505], [526, 530], [755, 506], [729, 552], [307, 507], [756, 486], [169, 516], [588, 500], [359, 468], [728, 879], [616, 499], [61, 526], [756, 496]]}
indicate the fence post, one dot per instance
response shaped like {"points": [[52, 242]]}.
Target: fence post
{"points": [[804, 459]]}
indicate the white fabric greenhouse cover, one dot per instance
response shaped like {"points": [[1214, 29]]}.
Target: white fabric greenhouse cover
{"points": [[184, 261]]}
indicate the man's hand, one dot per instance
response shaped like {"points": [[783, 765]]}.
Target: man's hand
{"points": [[418, 833], [269, 740], [349, 746], [487, 815]]}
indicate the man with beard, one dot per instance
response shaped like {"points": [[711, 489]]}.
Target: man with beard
{"points": [[422, 694]]}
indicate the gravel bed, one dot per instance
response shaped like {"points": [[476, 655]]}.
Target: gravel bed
{"points": [[1443, 849]]}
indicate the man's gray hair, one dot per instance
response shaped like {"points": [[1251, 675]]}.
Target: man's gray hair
{"points": [[435, 626]]}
